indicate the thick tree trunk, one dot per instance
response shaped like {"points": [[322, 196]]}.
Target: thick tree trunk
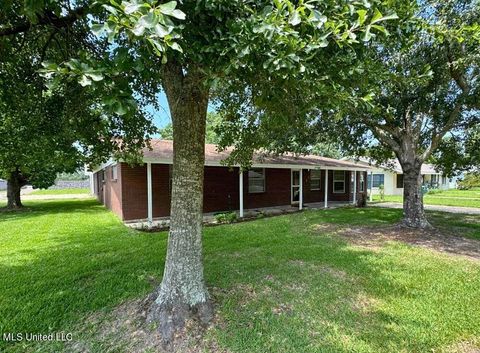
{"points": [[413, 212], [14, 185], [183, 293]]}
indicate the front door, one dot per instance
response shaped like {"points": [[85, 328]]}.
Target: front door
{"points": [[295, 186]]}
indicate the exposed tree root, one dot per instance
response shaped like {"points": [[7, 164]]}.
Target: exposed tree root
{"points": [[171, 318]]}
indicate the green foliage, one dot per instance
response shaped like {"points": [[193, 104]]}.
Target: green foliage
{"points": [[413, 87], [470, 181], [51, 126], [381, 192], [226, 217], [460, 151], [211, 136]]}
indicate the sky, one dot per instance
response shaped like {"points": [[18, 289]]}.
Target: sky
{"points": [[162, 115]]}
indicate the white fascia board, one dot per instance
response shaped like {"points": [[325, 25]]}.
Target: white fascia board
{"points": [[104, 165], [262, 165]]}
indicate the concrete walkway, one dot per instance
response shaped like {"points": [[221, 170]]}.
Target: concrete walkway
{"points": [[450, 209]]}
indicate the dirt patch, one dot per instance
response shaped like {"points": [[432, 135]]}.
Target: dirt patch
{"points": [[283, 309], [462, 347], [325, 228], [125, 330], [435, 239], [333, 272]]}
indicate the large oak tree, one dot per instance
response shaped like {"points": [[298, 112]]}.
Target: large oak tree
{"points": [[191, 49], [44, 132], [402, 96]]}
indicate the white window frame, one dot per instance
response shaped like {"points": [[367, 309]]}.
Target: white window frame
{"points": [[114, 172], [263, 178], [319, 179], [371, 180], [336, 180]]}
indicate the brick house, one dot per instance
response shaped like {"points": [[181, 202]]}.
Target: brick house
{"points": [[143, 192]]}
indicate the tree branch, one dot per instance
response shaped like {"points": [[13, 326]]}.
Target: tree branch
{"points": [[46, 19], [383, 136], [437, 136]]}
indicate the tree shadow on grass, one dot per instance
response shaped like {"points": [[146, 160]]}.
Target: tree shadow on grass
{"points": [[66, 259], [277, 287], [288, 291]]}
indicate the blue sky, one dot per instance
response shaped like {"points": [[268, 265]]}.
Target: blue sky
{"points": [[161, 117]]}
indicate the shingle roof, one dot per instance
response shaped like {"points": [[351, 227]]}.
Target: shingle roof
{"points": [[162, 150], [394, 165]]}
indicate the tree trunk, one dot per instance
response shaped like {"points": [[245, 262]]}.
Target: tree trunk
{"points": [[14, 185], [413, 212], [183, 293]]}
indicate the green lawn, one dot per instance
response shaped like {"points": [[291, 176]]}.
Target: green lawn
{"points": [[60, 191], [460, 198], [281, 284]]}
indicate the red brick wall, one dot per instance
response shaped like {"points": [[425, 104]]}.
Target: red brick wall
{"points": [[109, 192], [127, 197], [277, 189], [134, 188], [221, 189], [160, 190]]}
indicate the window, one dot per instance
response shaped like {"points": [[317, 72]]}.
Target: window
{"points": [[362, 182], [315, 179], [378, 179], [400, 181], [115, 172], [256, 180], [338, 181]]}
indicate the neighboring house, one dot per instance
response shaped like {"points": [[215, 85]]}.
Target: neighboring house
{"points": [[143, 192], [390, 176], [3, 184]]}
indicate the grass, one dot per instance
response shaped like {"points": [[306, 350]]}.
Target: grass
{"points": [[281, 284], [60, 191], [458, 198]]}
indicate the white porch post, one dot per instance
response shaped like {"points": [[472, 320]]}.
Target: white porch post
{"points": [[149, 193], [241, 193], [371, 186], [354, 187], [300, 198], [326, 188]]}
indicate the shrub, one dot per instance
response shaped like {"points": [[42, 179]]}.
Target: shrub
{"points": [[226, 217], [381, 192], [471, 180]]}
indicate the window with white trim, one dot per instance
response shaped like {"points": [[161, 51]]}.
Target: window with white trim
{"points": [[362, 181], [378, 179], [315, 176], [114, 172], [339, 181], [256, 180]]}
